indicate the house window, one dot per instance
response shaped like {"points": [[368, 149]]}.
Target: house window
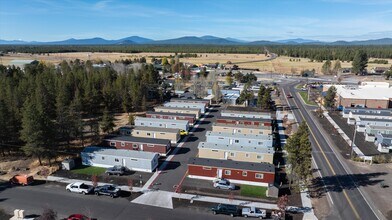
{"points": [[227, 172], [259, 176], [161, 133], [134, 146], [220, 138], [137, 132], [142, 123], [247, 155], [150, 145], [103, 158], [236, 141], [207, 168], [214, 150], [116, 160], [260, 143], [244, 173], [148, 134], [122, 144], [128, 132], [160, 125], [260, 157], [134, 159], [112, 144], [232, 154]]}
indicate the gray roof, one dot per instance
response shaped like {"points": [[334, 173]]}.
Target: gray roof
{"points": [[259, 127], [234, 147], [165, 121], [238, 135], [184, 103], [246, 112], [144, 128], [245, 109], [377, 127], [190, 100], [244, 119], [120, 152], [171, 113], [177, 108], [261, 167], [381, 113], [139, 140], [375, 119]]}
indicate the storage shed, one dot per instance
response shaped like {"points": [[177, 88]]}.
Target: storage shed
{"points": [[133, 160], [260, 140], [191, 118], [161, 146], [179, 110], [162, 133], [236, 152], [162, 123], [258, 174]]}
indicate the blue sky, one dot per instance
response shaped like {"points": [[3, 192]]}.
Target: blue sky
{"points": [[51, 20]]}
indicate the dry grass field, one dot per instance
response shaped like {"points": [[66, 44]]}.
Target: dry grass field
{"points": [[281, 64]]}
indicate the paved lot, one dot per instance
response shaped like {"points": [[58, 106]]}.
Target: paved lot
{"points": [[34, 199], [175, 170]]}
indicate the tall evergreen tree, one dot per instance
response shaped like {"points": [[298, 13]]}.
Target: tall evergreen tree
{"points": [[260, 96], [329, 100], [359, 62], [107, 122]]}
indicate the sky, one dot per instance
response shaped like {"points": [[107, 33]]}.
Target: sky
{"points": [[326, 20]]}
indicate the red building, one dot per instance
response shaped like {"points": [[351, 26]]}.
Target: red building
{"points": [[244, 121], [259, 174], [161, 146], [191, 118]]}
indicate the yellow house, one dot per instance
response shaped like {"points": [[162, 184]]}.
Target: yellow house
{"points": [[236, 152], [241, 129], [194, 111], [159, 133]]}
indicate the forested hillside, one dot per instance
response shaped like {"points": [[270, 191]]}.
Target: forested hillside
{"points": [[44, 106], [315, 52]]}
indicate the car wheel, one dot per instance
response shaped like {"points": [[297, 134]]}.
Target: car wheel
{"points": [[246, 216], [232, 215], [97, 193], [214, 212], [111, 195], [118, 174], [68, 190], [260, 217], [218, 187], [84, 193]]}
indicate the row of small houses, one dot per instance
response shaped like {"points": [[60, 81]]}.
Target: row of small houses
{"points": [[139, 147], [239, 148], [376, 125]]}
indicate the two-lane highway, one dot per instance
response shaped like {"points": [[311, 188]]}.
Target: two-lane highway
{"points": [[347, 200]]}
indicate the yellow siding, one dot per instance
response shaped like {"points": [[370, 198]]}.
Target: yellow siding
{"points": [[240, 130], [238, 156]]}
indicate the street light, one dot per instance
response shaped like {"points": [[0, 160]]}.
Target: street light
{"points": [[352, 143]]}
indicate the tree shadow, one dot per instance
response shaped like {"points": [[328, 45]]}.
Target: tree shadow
{"points": [[192, 139], [322, 185], [204, 122]]}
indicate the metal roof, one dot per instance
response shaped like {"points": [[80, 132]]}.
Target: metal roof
{"points": [[258, 127], [176, 108], [239, 135], [244, 119], [165, 121], [171, 113], [375, 119], [192, 100], [260, 167], [120, 152], [234, 147], [246, 109], [144, 128], [139, 140]]}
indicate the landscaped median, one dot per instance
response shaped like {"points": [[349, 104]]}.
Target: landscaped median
{"points": [[304, 96]]}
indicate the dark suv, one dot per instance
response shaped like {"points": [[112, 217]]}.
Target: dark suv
{"points": [[108, 190], [231, 210]]}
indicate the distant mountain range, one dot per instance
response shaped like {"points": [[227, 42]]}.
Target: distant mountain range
{"points": [[193, 40]]}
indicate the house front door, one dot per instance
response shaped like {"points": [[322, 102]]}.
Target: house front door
{"points": [[124, 162], [219, 173], [226, 155]]}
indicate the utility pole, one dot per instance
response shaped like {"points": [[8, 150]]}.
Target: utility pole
{"points": [[352, 143]]}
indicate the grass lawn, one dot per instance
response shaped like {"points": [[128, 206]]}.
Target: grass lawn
{"points": [[87, 170], [254, 191], [304, 95]]}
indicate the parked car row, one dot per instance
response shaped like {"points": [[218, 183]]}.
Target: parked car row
{"points": [[233, 211], [82, 188]]}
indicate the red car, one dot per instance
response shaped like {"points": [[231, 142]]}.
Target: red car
{"points": [[78, 217], [289, 96]]}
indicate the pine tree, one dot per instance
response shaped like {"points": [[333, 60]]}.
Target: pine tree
{"points": [[326, 68], [329, 100], [107, 122], [260, 96], [216, 92], [266, 100], [359, 62], [4, 125]]}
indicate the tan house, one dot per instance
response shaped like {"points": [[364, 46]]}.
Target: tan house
{"points": [[236, 152], [242, 129], [161, 133], [194, 111]]}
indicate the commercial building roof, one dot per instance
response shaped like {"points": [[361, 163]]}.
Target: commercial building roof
{"points": [[234, 147], [364, 92], [238, 135], [139, 140], [261, 167], [171, 113], [120, 152], [144, 128]]}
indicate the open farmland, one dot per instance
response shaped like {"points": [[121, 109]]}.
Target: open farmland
{"points": [[281, 64]]}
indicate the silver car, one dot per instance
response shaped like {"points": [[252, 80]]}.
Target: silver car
{"points": [[223, 184]]}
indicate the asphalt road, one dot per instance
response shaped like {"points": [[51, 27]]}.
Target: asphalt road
{"points": [[341, 187], [176, 169], [34, 199]]}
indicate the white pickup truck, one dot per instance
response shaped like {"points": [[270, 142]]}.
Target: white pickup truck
{"points": [[79, 187], [254, 212]]}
